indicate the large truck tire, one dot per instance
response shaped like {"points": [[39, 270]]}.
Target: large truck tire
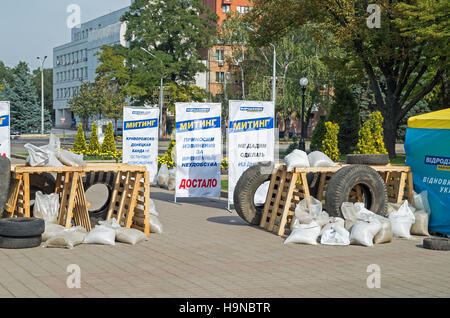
{"points": [[437, 243], [345, 179], [20, 242], [244, 192], [21, 227], [5, 172], [374, 160], [105, 178]]}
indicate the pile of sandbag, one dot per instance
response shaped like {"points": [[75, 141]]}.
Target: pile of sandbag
{"points": [[299, 159], [166, 177], [51, 155], [359, 227], [107, 233]]}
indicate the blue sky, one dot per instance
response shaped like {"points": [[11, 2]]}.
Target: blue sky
{"points": [[31, 28]]}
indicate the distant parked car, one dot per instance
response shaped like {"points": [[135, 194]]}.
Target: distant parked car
{"points": [[119, 132], [15, 134]]}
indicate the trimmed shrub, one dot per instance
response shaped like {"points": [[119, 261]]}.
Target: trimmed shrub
{"points": [[80, 146], [109, 144], [94, 145], [330, 141], [371, 136], [318, 136]]}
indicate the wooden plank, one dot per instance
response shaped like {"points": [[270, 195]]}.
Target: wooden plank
{"points": [[289, 197], [147, 215], [14, 195], [133, 200], [126, 189], [323, 179], [401, 187], [26, 194], [73, 189], [277, 201], [114, 195], [269, 196], [63, 204], [410, 188]]}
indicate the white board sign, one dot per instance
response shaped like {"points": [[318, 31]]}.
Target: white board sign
{"points": [[198, 149], [251, 139], [140, 138], [5, 122]]}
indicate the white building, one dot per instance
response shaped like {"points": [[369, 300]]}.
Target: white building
{"points": [[75, 62]]}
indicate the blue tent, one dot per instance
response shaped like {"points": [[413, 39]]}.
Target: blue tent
{"points": [[427, 147]]}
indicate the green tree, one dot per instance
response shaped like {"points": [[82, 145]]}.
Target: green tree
{"points": [[330, 141], [79, 146], [48, 87], [85, 103], [25, 108], [109, 143], [399, 64], [94, 145], [345, 112], [318, 136]]}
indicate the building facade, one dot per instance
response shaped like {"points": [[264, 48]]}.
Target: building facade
{"points": [[75, 62]]}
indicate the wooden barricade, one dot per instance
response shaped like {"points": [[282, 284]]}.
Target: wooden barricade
{"points": [[287, 189], [130, 203]]}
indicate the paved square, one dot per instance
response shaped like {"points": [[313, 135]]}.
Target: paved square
{"points": [[207, 252]]}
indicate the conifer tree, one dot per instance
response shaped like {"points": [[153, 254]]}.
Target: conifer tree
{"points": [[109, 144], [79, 146], [94, 146]]}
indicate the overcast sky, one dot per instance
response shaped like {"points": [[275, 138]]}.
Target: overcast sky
{"points": [[31, 28]]}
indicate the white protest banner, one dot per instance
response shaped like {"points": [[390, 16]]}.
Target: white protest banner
{"points": [[251, 139], [5, 142], [199, 149], [140, 138]]}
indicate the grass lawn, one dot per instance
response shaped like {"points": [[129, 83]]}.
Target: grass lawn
{"points": [[224, 185]]}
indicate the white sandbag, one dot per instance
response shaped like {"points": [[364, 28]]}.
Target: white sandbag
{"points": [[402, 220], [335, 234], [71, 159], [46, 207], [163, 176], [153, 208], [337, 220], [309, 205], [420, 201], [296, 159], [304, 234], [420, 226], [37, 157], [53, 149], [68, 238], [130, 236], [101, 234], [362, 232], [393, 207], [319, 159], [51, 230], [363, 214], [155, 225], [385, 234], [111, 223], [172, 179], [349, 212]]}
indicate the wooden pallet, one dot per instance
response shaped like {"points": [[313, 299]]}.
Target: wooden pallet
{"points": [[287, 189], [128, 204], [18, 204]]}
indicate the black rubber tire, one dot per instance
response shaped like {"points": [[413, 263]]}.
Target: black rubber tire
{"points": [[437, 243], [101, 177], [21, 227], [5, 173], [244, 192], [20, 242], [345, 179], [376, 160], [44, 182]]}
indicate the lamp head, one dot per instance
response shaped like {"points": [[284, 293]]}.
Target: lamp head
{"points": [[303, 81]]}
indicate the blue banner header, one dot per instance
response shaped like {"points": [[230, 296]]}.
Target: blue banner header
{"points": [[198, 124], [4, 121], [140, 124], [251, 124]]}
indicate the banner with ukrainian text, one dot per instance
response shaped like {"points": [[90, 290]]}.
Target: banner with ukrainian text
{"points": [[198, 149], [251, 139], [5, 142], [140, 138]]}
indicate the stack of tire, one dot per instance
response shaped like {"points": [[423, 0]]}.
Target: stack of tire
{"points": [[21, 232]]}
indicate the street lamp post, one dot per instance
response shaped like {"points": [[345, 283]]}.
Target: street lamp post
{"points": [[42, 92], [303, 84], [161, 94]]}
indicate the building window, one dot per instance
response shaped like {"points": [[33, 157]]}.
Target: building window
{"points": [[226, 8], [219, 55], [220, 77], [242, 9]]}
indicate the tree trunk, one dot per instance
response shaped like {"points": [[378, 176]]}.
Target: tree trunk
{"points": [[390, 136]]}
